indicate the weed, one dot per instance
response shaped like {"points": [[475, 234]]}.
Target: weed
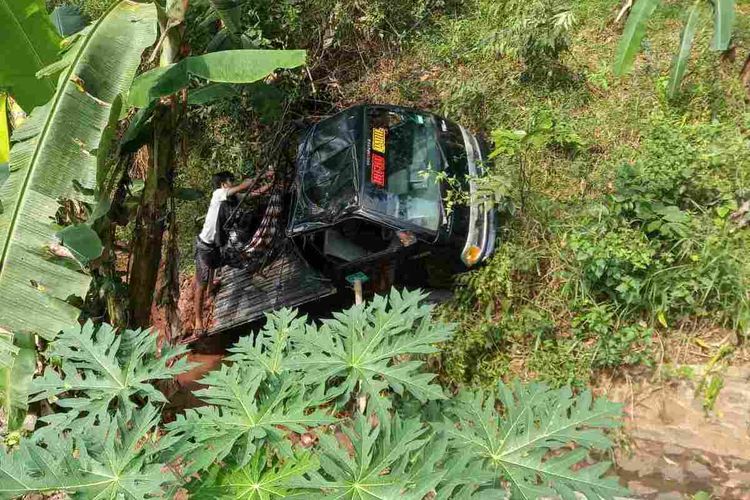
{"points": [[561, 362]]}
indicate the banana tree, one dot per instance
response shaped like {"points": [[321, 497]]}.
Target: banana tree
{"points": [[162, 93], [54, 158], [635, 29]]}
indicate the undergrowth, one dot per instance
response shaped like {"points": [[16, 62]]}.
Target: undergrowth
{"points": [[620, 206]]}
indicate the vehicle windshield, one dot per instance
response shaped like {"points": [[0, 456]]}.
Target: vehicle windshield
{"points": [[402, 159]]}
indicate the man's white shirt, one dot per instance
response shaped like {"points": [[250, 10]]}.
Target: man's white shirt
{"points": [[208, 233]]}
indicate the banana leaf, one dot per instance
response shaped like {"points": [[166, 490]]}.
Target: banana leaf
{"points": [[28, 42], [15, 381], [723, 24], [67, 19], [229, 66], [635, 30], [54, 149], [686, 45], [4, 133]]}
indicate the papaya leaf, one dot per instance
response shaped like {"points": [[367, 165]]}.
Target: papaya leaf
{"points": [[398, 461], [105, 369], [241, 417], [54, 147], [261, 479], [724, 17], [122, 463], [686, 45], [271, 350], [28, 42], [363, 349], [635, 30], [229, 66], [536, 420]]}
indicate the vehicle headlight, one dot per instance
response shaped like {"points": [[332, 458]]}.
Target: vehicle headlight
{"points": [[471, 255]]}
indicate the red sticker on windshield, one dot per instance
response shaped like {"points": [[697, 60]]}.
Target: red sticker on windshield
{"points": [[377, 175]]}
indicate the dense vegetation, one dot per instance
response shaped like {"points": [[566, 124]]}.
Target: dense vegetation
{"points": [[622, 195], [619, 165], [107, 440]]}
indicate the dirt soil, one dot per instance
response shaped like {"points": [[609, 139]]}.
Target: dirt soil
{"points": [[186, 311], [674, 443]]}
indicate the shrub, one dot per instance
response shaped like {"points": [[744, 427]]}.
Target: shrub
{"points": [[297, 377], [613, 262]]}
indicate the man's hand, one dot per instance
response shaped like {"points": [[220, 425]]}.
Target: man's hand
{"points": [[261, 190]]}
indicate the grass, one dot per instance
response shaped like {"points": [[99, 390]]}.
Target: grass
{"points": [[577, 245]]}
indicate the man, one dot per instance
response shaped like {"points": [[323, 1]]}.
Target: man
{"points": [[213, 236]]}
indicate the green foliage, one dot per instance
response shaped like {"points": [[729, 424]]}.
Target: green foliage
{"points": [[258, 480], [269, 351], [47, 166], [368, 349], [613, 262], [28, 43], [68, 20], [240, 444], [635, 30], [614, 344], [118, 458], [102, 369], [15, 379], [535, 421], [686, 45], [536, 33], [242, 415], [560, 362], [231, 66], [385, 462]]}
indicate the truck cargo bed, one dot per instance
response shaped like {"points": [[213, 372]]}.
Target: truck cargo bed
{"points": [[244, 297]]}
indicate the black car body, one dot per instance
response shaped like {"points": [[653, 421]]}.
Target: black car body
{"points": [[367, 204]]}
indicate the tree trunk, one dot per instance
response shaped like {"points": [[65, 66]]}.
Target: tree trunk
{"points": [[150, 222]]}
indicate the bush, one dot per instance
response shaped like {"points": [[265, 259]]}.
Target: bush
{"points": [[613, 262], [297, 378]]}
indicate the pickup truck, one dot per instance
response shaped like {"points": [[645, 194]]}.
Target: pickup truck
{"points": [[366, 206]]}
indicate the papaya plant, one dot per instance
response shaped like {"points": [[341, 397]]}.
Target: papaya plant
{"points": [[636, 26], [247, 440]]}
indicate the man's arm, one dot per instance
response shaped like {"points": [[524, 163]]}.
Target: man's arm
{"points": [[248, 184], [242, 186]]}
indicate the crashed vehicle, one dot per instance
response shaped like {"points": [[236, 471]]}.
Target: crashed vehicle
{"points": [[366, 206]]}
